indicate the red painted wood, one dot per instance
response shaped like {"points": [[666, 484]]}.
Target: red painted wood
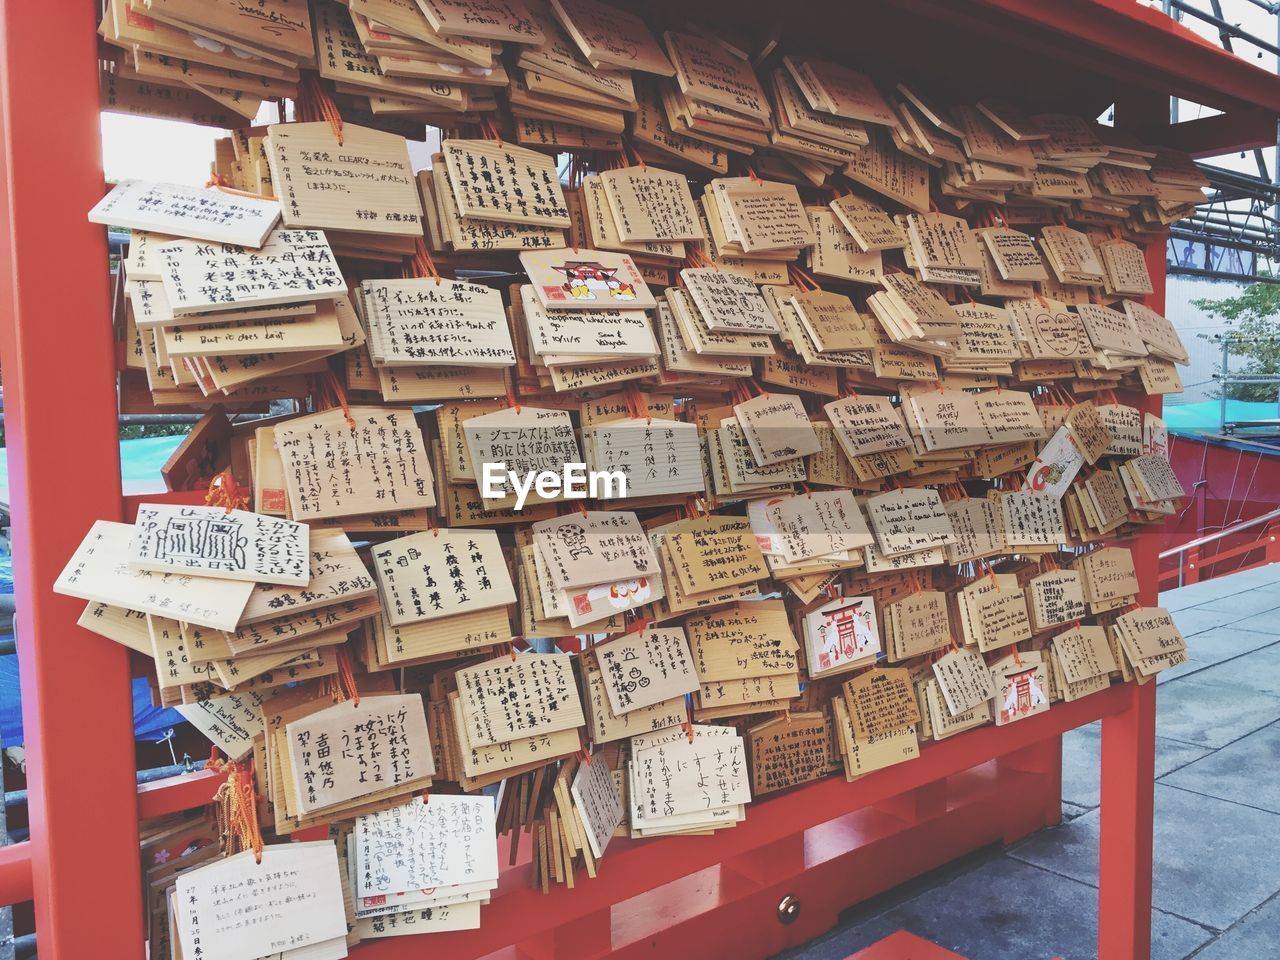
{"points": [[57, 354], [1128, 762], [15, 872], [904, 946]]}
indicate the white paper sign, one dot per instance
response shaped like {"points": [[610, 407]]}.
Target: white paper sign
{"points": [[294, 896], [447, 841], [213, 542], [184, 211]]}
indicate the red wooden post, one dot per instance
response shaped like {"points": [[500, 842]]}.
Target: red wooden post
{"points": [[1129, 753], [64, 472], [1128, 804]]}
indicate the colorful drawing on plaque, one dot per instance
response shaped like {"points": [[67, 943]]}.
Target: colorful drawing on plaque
{"points": [[585, 279], [1023, 695], [847, 632]]}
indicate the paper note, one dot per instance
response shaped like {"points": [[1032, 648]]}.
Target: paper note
{"points": [[598, 546], [658, 457], [789, 751], [1055, 597], [964, 679], [447, 841], [682, 777], [505, 699], [383, 459], [651, 204], [1083, 653], [295, 893], [728, 302], [880, 700], [500, 181], [817, 524], [597, 803], [1056, 466], [436, 321], [184, 211], [743, 640], [290, 266], [866, 425], [231, 723], [99, 570], [363, 185], [645, 667], [777, 428], [522, 441], [841, 635], [909, 519], [441, 573], [715, 552], [350, 750], [586, 280], [1032, 519], [213, 542]]}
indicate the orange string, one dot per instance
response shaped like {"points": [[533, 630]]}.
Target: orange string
{"points": [[316, 99], [225, 492], [339, 395], [491, 131], [219, 182], [347, 678], [420, 264], [237, 805]]}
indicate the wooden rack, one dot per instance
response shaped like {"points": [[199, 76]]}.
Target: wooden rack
{"points": [[829, 844]]}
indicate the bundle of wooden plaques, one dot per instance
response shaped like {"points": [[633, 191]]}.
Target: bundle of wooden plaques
{"points": [[797, 420]]}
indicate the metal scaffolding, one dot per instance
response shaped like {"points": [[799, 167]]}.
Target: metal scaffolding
{"points": [[1235, 233]]}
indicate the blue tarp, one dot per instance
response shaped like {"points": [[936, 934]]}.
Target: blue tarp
{"points": [[149, 723], [140, 462], [1206, 414]]}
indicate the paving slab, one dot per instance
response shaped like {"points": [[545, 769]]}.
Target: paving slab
{"points": [[1192, 594], [1259, 671], [1182, 670], [1082, 758], [1003, 910], [1255, 937], [1222, 643], [1267, 622], [1248, 602], [1211, 714], [1214, 860], [1194, 621], [1247, 771]]}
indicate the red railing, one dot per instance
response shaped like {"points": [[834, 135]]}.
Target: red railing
{"points": [[1250, 543]]}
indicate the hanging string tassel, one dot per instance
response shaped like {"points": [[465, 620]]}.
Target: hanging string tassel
{"points": [[328, 392], [235, 808], [315, 100], [346, 680], [225, 492]]}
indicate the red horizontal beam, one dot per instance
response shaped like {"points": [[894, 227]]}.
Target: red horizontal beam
{"points": [[1240, 129], [15, 873], [633, 867], [1176, 60], [174, 794]]}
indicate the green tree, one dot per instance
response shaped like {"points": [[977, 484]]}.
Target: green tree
{"points": [[1253, 319]]}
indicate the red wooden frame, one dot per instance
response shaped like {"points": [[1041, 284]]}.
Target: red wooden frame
{"points": [[831, 843]]}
